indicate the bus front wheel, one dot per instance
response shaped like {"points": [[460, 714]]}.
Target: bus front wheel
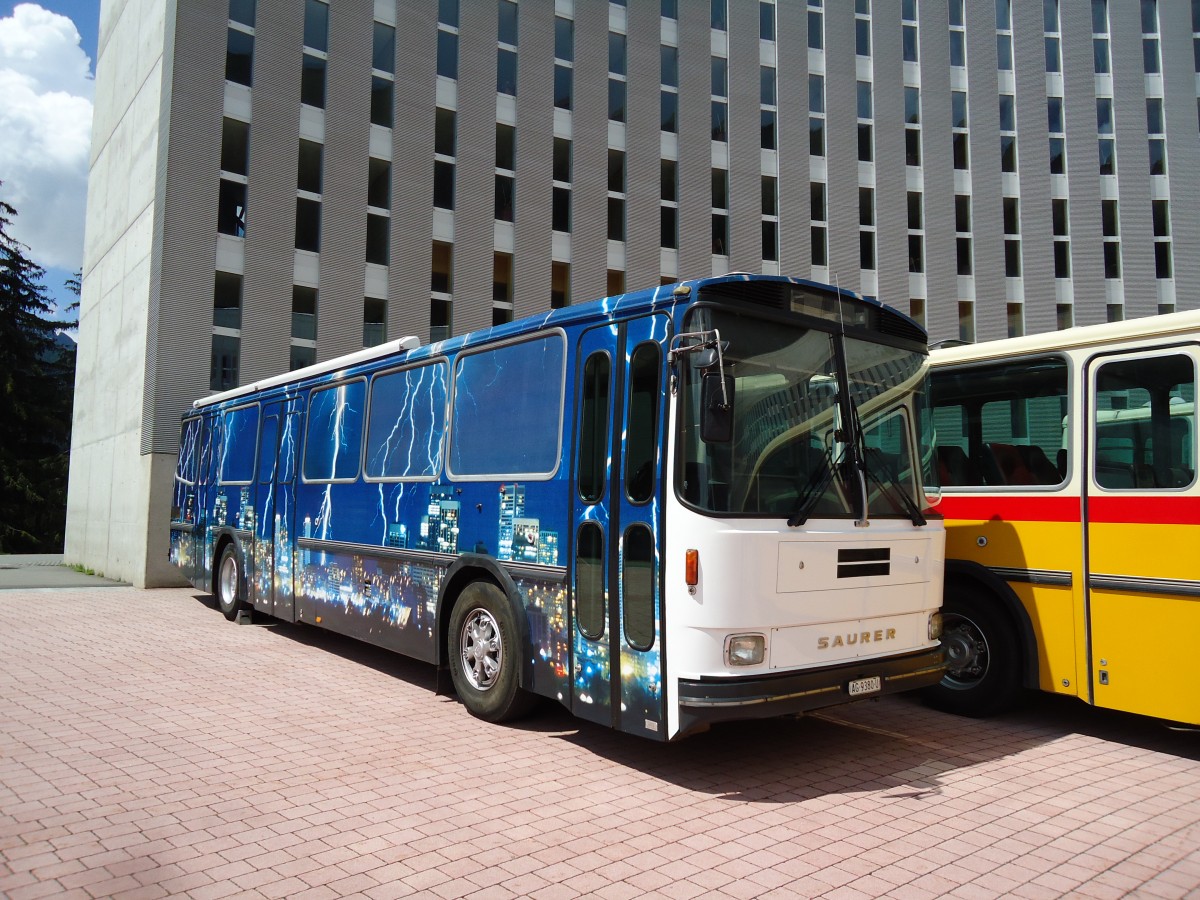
{"points": [[485, 654], [982, 656], [231, 596]]}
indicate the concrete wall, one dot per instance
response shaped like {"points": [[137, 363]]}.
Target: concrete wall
{"points": [[109, 527]]}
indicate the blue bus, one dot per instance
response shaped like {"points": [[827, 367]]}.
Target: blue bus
{"points": [[665, 509]]}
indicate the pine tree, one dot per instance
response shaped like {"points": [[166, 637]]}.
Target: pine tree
{"points": [[36, 386]]}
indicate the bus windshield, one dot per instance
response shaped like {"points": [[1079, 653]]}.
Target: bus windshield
{"points": [[788, 455]]}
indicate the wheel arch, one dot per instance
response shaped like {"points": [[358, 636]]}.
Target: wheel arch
{"points": [[985, 581], [468, 568], [225, 537]]}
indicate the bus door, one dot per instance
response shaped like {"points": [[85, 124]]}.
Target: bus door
{"points": [[262, 569], [616, 566], [283, 525], [1142, 524]]}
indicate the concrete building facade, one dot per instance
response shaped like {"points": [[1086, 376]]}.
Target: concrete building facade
{"points": [[280, 182]]}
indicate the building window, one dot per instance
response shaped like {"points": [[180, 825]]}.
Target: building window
{"points": [[912, 125], [669, 111], [379, 183], [316, 25], [562, 160], [374, 321], [231, 208], [770, 213], [718, 15], [719, 121], [966, 321], [227, 301], [669, 208], [443, 185], [1012, 259], [312, 80], [866, 232], [381, 101], [447, 52], [862, 36], [502, 278], [1104, 126], [308, 225], [816, 30], [766, 21], [441, 273], [445, 133], [239, 53], [223, 366], [720, 212], [383, 49], [235, 146], [1110, 229], [242, 11], [958, 34], [560, 209], [616, 100], [668, 227], [564, 61], [504, 198], [506, 28], [439, 319], [816, 115], [959, 136], [304, 313], [506, 72], [378, 236], [818, 215], [560, 285], [668, 65]]}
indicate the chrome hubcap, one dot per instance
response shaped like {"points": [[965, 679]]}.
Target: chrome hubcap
{"points": [[228, 582], [966, 652], [480, 649]]}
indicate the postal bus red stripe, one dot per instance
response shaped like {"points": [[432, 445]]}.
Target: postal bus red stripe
{"points": [[1143, 510], [1010, 509], [1102, 508]]}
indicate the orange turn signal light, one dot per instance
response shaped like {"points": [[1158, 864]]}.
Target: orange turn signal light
{"points": [[692, 567]]}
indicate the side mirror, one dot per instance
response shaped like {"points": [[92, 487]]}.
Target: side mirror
{"points": [[716, 408]]}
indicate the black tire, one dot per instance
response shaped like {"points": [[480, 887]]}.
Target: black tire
{"points": [[485, 654], [983, 653], [229, 583]]}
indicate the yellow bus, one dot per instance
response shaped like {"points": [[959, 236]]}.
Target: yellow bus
{"points": [[1067, 464]]}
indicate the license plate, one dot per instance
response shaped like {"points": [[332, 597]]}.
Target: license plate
{"points": [[861, 686]]}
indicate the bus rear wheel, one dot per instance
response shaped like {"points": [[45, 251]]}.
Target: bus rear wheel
{"points": [[982, 655], [484, 651], [231, 595]]}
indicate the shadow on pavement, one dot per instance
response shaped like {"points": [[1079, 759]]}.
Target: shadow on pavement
{"points": [[894, 744]]}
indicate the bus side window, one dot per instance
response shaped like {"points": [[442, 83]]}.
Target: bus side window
{"points": [[1145, 423], [333, 440], [593, 428], [641, 442]]}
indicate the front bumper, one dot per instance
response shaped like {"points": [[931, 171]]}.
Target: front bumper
{"points": [[707, 700]]}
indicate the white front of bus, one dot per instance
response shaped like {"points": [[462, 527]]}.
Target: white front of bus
{"points": [[802, 569]]}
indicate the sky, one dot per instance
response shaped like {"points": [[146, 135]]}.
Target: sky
{"points": [[47, 82]]}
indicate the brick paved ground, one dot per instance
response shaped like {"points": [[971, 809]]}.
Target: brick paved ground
{"points": [[150, 748]]}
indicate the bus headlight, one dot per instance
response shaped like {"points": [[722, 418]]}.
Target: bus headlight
{"points": [[935, 626], [745, 649]]}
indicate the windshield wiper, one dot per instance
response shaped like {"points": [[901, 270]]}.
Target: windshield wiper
{"points": [[818, 480], [865, 452]]}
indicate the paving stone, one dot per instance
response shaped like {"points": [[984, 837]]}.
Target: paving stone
{"points": [[150, 749]]}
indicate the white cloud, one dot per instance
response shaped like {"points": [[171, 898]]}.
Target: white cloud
{"points": [[45, 132]]}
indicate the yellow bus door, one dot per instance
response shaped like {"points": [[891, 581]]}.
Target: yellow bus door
{"points": [[1142, 527]]}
